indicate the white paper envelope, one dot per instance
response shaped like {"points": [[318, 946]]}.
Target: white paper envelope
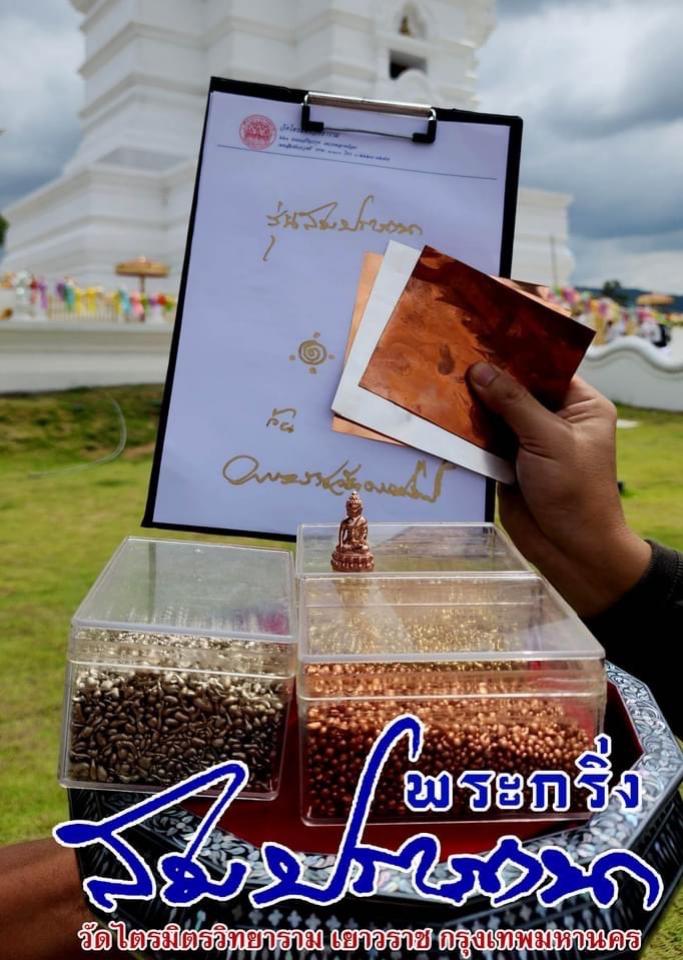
{"points": [[369, 410]]}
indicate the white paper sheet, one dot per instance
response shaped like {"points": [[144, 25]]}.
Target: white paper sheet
{"points": [[362, 406], [278, 240]]}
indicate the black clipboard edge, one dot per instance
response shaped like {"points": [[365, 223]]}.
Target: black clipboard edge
{"points": [[148, 516], [294, 95], [507, 239]]}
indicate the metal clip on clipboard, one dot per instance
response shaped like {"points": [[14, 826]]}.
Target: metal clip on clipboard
{"points": [[374, 106]]}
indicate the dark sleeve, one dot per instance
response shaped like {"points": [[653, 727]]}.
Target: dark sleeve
{"points": [[643, 632]]}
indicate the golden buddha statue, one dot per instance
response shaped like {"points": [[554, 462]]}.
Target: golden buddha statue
{"points": [[352, 552]]}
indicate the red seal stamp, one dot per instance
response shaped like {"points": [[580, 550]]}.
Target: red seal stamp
{"points": [[257, 132]]}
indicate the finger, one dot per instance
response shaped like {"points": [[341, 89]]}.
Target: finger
{"points": [[502, 394], [535, 546], [579, 391], [520, 524], [584, 401]]}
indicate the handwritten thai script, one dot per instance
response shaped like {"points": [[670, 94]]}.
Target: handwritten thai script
{"points": [[551, 874], [281, 418], [323, 218], [244, 468]]}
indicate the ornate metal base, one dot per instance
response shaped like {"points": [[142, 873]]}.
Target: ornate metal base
{"points": [[656, 833], [352, 562]]}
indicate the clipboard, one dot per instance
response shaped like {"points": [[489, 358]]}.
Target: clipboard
{"points": [[190, 488]]}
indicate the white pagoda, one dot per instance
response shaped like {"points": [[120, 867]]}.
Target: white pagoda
{"points": [[127, 189]]}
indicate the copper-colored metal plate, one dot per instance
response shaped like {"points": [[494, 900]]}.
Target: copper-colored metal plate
{"points": [[451, 316], [368, 274]]}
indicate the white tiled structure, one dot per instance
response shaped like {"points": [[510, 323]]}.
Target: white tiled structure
{"points": [[127, 189]]}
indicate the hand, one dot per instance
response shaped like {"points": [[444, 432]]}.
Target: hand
{"points": [[564, 512], [42, 904]]}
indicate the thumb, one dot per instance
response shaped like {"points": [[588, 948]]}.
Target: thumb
{"points": [[504, 395]]}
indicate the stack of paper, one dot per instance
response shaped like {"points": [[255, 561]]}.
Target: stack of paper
{"points": [[421, 320]]}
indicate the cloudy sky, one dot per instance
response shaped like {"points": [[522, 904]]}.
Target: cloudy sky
{"points": [[598, 83], [41, 49]]}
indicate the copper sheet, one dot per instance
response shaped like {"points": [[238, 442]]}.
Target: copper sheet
{"points": [[368, 274], [449, 317]]}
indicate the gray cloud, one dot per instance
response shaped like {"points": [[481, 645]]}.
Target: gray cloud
{"points": [[523, 9], [40, 93], [48, 13], [597, 82], [600, 259], [644, 91], [598, 86]]}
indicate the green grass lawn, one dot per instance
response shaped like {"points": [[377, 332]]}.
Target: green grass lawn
{"points": [[61, 517]]}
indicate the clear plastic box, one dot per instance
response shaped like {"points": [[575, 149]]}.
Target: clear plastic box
{"points": [[182, 655], [415, 548], [452, 626]]}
